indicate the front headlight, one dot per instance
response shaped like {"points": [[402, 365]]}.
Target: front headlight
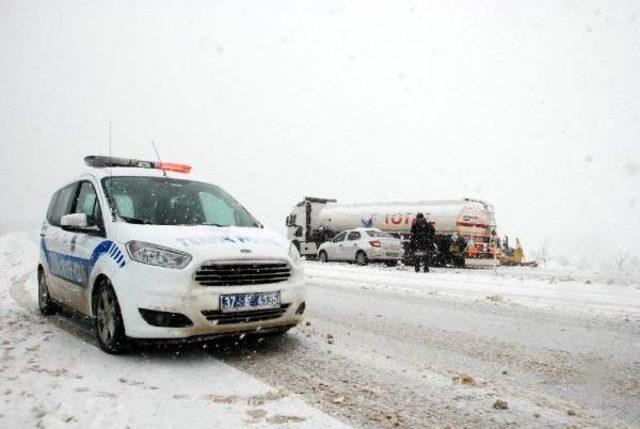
{"points": [[154, 254], [294, 254]]}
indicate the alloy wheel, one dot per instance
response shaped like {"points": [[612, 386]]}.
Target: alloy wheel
{"points": [[106, 317]]}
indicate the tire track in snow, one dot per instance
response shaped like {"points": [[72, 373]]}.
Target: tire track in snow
{"points": [[70, 323]]}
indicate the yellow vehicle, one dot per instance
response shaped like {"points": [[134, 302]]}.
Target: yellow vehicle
{"points": [[514, 257]]}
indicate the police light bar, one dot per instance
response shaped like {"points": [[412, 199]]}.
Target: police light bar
{"points": [[110, 161]]}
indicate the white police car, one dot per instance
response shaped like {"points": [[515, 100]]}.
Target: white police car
{"points": [[150, 253]]}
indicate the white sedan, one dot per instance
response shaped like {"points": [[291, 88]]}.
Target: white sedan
{"points": [[362, 245]]}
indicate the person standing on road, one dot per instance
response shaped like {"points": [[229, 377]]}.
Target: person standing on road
{"points": [[423, 235]]}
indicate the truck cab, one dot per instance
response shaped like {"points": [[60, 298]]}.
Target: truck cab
{"points": [[302, 224]]}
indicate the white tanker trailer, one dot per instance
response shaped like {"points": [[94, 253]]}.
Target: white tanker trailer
{"points": [[315, 220]]}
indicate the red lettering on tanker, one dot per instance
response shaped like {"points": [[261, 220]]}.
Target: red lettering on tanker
{"points": [[399, 218]]}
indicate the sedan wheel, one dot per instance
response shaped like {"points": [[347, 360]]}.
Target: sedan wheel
{"points": [[323, 256], [361, 258]]}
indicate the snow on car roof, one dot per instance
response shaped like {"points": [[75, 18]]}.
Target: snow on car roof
{"points": [[100, 173], [363, 228]]}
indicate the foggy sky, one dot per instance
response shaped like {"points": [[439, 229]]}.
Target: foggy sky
{"points": [[533, 107]]}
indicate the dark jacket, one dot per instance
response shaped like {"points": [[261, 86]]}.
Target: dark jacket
{"points": [[423, 234]]}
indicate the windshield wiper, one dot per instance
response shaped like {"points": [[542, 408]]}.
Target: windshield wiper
{"points": [[136, 220], [213, 224]]}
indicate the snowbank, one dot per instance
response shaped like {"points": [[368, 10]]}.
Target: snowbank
{"points": [[562, 289]]}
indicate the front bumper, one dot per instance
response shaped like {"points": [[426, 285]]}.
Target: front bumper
{"points": [[176, 291]]}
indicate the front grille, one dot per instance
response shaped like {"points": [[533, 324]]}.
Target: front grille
{"points": [[244, 316], [238, 274]]}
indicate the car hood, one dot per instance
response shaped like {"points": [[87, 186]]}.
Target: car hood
{"points": [[210, 242]]}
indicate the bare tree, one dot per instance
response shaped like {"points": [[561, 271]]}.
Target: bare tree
{"points": [[543, 253], [622, 257]]}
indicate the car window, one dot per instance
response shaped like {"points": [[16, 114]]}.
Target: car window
{"points": [[376, 233], [63, 202], [216, 210], [167, 201], [125, 205], [354, 235], [339, 237], [51, 209], [87, 203]]}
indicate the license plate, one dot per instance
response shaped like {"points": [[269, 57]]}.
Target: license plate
{"points": [[249, 301], [392, 253]]}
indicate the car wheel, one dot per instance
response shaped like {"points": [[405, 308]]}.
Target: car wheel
{"points": [[323, 256], [108, 320], [45, 304], [361, 258]]}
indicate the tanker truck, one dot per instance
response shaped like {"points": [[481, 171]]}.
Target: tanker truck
{"points": [[467, 223]]}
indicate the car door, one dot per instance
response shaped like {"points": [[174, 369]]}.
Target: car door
{"points": [[56, 243], [334, 251], [85, 245], [351, 246]]}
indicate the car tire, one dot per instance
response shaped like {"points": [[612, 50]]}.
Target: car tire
{"points": [[323, 256], [361, 258], [45, 304], [109, 326]]}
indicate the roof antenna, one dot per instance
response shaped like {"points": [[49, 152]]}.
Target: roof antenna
{"points": [[110, 141], [110, 158], [158, 155], [113, 207]]}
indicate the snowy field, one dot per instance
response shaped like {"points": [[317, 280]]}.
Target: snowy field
{"points": [[382, 347]]}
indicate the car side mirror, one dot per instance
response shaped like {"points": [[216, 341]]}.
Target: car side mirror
{"points": [[77, 222], [74, 220]]}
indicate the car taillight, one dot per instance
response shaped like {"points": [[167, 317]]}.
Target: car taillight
{"points": [[375, 243]]}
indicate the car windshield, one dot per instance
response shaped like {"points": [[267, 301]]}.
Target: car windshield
{"points": [[165, 201], [376, 233]]}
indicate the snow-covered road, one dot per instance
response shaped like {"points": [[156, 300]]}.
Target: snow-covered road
{"points": [[388, 347], [382, 348], [52, 374]]}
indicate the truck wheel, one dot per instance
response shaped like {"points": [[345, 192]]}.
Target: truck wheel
{"points": [[108, 320], [361, 258], [323, 256], [45, 304]]}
